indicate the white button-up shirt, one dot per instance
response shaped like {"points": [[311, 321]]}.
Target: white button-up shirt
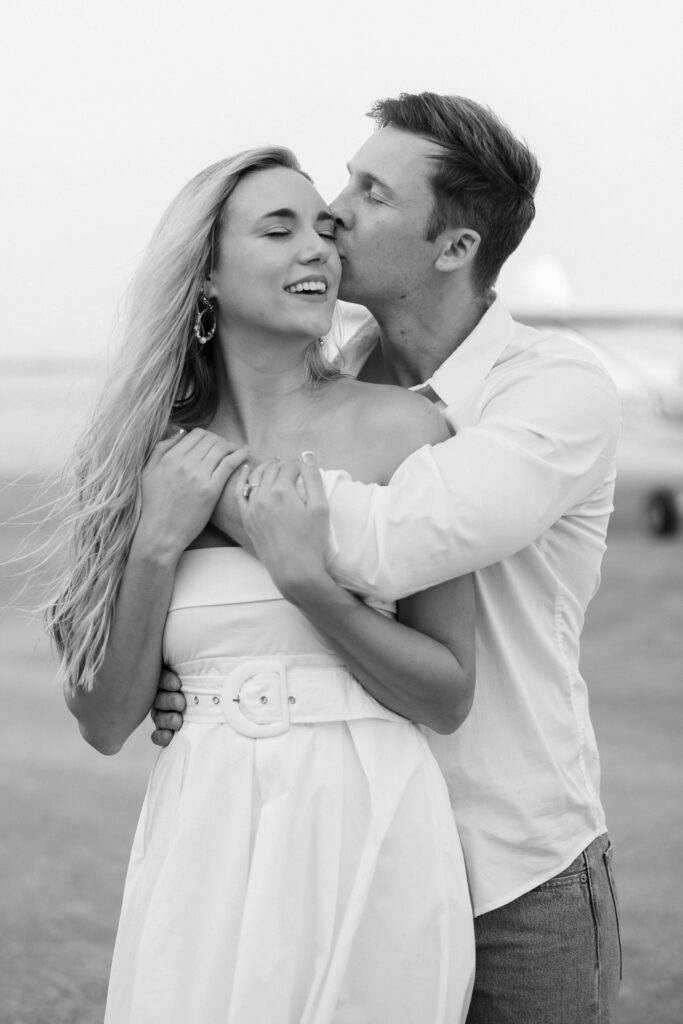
{"points": [[521, 497]]}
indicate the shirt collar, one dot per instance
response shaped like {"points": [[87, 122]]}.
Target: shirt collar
{"points": [[357, 349], [462, 371], [469, 364]]}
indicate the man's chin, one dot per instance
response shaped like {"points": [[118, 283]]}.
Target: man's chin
{"points": [[347, 291]]}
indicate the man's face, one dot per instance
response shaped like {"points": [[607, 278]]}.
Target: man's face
{"points": [[381, 218]]}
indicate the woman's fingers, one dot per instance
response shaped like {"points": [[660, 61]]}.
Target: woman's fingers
{"points": [[173, 432], [255, 482], [213, 448], [243, 492], [189, 441], [207, 448], [263, 483], [313, 483], [275, 477], [174, 435], [226, 465], [264, 471], [289, 472], [203, 444], [179, 442], [225, 450]]}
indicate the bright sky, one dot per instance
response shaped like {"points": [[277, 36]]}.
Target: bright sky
{"points": [[111, 107]]}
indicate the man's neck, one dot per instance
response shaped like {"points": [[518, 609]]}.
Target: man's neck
{"points": [[413, 344]]}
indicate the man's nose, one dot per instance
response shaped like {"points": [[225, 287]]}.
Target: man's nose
{"points": [[341, 211]]}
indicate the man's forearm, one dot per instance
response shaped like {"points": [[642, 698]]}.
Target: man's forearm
{"points": [[479, 497]]}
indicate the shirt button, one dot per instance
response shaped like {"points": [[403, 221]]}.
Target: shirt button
{"points": [[264, 699]]}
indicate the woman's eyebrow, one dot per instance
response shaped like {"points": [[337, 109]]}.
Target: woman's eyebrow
{"points": [[284, 213], [287, 214]]}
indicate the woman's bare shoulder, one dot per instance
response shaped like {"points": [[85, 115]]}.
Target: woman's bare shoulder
{"points": [[394, 421], [397, 410]]}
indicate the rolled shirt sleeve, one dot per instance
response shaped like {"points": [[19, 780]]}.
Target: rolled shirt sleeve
{"points": [[534, 442]]}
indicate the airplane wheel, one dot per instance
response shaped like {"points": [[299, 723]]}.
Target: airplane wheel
{"points": [[662, 514]]}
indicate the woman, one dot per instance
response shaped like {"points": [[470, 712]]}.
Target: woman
{"points": [[296, 858]]}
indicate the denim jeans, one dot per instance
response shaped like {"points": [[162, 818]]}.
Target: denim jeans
{"points": [[553, 956]]}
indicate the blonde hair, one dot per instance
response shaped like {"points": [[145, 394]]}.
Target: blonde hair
{"points": [[162, 376]]}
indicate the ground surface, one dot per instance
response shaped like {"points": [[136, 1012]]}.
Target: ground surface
{"points": [[68, 814]]}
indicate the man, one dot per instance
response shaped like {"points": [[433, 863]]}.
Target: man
{"points": [[437, 200]]}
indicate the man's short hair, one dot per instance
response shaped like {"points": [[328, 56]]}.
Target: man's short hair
{"points": [[484, 179]]}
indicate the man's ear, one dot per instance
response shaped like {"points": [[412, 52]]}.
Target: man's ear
{"points": [[457, 249]]}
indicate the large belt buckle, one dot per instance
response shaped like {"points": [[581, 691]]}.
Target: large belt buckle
{"points": [[248, 699]]}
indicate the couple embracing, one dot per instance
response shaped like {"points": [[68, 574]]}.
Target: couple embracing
{"points": [[324, 555]]}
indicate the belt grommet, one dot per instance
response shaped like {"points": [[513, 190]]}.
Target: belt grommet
{"points": [[216, 700], [196, 700], [292, 700], [264, 699]]}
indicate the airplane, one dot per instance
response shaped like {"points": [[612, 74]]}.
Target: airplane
{"points": [[644, 355]]}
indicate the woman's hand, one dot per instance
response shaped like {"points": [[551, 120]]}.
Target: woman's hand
{"points": [[181, 483], [286, 516]]}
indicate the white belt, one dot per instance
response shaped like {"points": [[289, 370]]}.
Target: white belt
{"points": [[264, 697]]}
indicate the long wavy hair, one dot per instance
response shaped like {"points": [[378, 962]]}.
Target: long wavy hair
{"points": [[162, 376]]}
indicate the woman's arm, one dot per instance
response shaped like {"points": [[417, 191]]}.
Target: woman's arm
{"points": [[180, 485], [124, 687], [421, 666]]}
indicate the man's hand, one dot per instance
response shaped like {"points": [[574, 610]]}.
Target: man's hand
{"points": [[167, 710]]}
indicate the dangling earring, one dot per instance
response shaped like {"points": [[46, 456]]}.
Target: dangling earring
{"points": [[199, 330]]}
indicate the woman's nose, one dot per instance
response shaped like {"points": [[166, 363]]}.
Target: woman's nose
{"points": [[316, 250]]}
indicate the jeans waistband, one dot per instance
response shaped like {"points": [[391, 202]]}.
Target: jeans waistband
{"points": [[597, 846]]}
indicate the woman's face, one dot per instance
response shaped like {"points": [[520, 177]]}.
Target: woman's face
{"points": [[278, 269]]}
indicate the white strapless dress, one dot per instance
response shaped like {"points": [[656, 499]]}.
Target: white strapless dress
{"points": [[296, 859]]}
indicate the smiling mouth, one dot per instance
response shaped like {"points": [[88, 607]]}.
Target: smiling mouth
{"points": [[307, 288]]}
